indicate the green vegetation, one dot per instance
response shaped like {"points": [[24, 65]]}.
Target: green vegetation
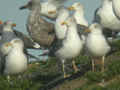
{"points": [[40, 74]]}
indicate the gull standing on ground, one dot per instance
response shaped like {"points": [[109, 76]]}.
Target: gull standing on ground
{"points": [[69, 47], [96, 44], [15, 62], [40, 30], [106, 17], [116, 7]]}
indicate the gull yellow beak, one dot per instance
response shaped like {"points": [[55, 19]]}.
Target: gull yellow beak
{"points": [[64, 23], [8, 44], [1, 22], [87, 30], [14, 25], [71, 8], [51, 12]]}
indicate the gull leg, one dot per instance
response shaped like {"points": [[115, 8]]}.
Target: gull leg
{"points": [[63, 67], [75, 66], [93, 65], [19, 77], [103, 61], [8, 78]]}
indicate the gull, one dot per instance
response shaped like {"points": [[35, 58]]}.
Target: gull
{"points": [[97, 44], [39, 29], [116, 7], [60, 30], [50, 8], [8, 33], [15, 61], [69, 47], [79, 13], [106, 17], [27, 41]]}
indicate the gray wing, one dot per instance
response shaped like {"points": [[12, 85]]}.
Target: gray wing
{"points": [[56, 46], [7, 36], [80, 29], [96, 16], [28, 42]]}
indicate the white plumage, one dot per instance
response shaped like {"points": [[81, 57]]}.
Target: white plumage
{"points": [[60, 30], [16, 61], [107, 17], [96, 43], [50, 8], [79, 17], [79, 13], [71, 45], [116, 7]]}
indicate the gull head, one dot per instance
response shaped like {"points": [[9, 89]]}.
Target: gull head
{"points": [[63, 13], [18, 43], [30, 4], [76, 6], [70, 21], [9, 25], [95, 28], [6, 48]]}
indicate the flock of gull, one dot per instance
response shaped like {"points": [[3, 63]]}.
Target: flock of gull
{"points": [[65, 38]]}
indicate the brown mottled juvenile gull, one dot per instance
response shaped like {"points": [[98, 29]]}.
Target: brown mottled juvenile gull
{"points": [[39, 29]]}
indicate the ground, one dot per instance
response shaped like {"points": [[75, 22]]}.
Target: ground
{"points": [[46, 76]]}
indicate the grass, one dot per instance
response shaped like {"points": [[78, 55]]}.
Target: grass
{"points": [[41, 73]]}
